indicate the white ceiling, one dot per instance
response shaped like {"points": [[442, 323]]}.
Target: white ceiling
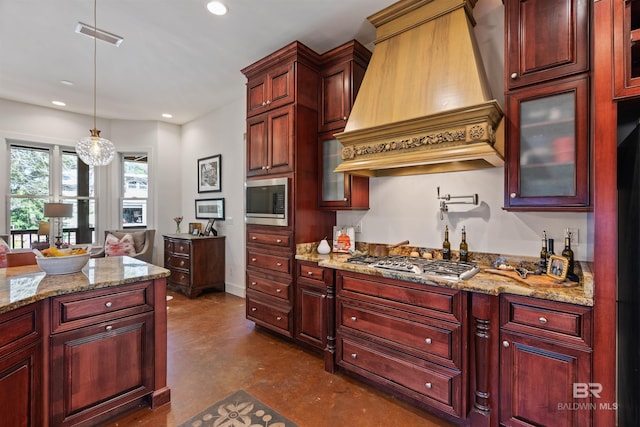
{"points": [[176, 57]]}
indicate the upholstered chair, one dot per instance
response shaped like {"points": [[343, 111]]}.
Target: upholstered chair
{"points": [[142, 241]]}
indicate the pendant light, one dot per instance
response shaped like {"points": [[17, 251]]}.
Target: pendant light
{"points": [[94, 150]]}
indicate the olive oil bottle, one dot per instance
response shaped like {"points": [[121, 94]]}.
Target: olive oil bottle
{"points": [[567, 252], [464, 247], [543, 252], [446, 246]]}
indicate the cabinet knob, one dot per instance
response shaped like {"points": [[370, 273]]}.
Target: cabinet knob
{"points": [[345, 199], [254, 238], [505, 344], [279, 264], [263, 103], [108, 327], [253, 283], [428, 340], [182, 263], [263, 168], [181, 248], [354, 355], [514, 75], [267, 167], [344, 117], [324, 297], [278, 240], [428, 385], [253, 259], [108, 304], [513, 195], [268, 102], [254, 309], [353, 318], [278, 290], [543, 320], [310, 273], [278, 318]]}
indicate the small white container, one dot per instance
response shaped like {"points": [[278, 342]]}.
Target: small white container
{"points": [[323, 247], [62, 264]]}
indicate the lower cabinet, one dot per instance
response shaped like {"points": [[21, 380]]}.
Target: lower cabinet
{"points": [[545, 363], [21, 397]]}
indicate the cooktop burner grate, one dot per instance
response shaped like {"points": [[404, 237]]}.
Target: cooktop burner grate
{"points": [[434, 268]]}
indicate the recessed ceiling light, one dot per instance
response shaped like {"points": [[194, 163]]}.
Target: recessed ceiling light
{"points": [[217, 8], [66, 82], [167, 115], [59, 103]]}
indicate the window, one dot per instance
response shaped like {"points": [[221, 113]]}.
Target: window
{"points": [[135, 194], [39, 174]]}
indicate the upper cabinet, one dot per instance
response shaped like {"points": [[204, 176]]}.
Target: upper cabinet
{"points": [[270, 145], [626, 39], [270, 90], [546, 39], [547, 155]]}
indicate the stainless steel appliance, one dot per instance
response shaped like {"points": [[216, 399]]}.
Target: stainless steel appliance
{"points": [[422, 267], [267, 201]]}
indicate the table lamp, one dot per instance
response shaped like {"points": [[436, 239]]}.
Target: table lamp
{"points": [[57, 211]]}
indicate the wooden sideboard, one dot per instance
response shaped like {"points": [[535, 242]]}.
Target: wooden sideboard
{"points": [[196, 263]]}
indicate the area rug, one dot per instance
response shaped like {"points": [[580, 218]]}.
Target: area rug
{"points": [[238, 410]]}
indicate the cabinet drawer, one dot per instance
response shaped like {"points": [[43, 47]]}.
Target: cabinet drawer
{"points": [[268, 315], [168, 246], [20, 327], [271, 239], [437, 386], [550, 319], [182, 247], [269, 287], [422, 299], [281, 264], [178, 262], [84, 308], [180, 277], [423, 337], [311, 272]]}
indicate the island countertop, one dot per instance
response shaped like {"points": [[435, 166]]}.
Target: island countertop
{"points": [[483, 282], [24, 285]]}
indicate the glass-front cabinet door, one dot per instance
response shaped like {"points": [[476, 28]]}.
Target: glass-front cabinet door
{"points": [[547, 164], [338, 190]]}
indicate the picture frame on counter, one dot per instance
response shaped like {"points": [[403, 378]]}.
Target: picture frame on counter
{"points": [[344, 239], [557, 267], [195, 228], [210, 174], [208, 229], [210, 208]]}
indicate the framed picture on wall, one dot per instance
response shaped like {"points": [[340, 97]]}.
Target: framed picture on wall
{"points": [[209, 174], [210, 208]]}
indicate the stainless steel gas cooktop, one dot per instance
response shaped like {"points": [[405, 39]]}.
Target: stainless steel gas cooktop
{"points": [[428, 268]]}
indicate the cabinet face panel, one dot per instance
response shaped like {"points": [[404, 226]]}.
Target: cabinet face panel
{"points": [[548, 146], [310, 320], [256, 144], [20, 388], [335, 103], [281, 87], [333, 184], [546, 39], [281, 133], [626, 36]]}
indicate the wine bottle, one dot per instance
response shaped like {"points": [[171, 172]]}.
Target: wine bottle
{"points": [[543, 252], [549, 249], [464, 248], [446, 246], [567, 252]]}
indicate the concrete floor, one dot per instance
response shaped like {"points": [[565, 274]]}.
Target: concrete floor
{"points": [[213, 351]]}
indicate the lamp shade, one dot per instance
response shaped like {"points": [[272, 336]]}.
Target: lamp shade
{"points": [[58, 210], [43, 228]]}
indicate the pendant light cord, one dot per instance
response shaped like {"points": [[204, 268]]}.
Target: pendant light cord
{"points": [[95, 61]]}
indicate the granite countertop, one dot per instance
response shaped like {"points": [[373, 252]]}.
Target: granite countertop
{"points": [[24, 285], [484, 282]]}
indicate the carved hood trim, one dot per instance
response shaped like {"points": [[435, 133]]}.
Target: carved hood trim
{"points": [[424, 105]]}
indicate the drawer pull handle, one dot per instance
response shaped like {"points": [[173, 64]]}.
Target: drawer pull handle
{"points": [[278, 318], [428, 340], [278, 290], [253, 283], [108, 304], [428, 385], [310, 273], [514, 75], [182, 263], [344, 117], [353, 318], [279, 264], [354, 355], [278, 240], [109, 327], [324, 296], [543, 320], [254, 238], [181, 248], [505, 344], [254, 309], [253, 260]]}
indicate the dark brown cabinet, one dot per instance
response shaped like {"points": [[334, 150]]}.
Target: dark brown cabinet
{"points": [[196, 263], [545, 352], [340, 78], [21, 384], [626, 49], [270, 145], [546, 39], [547, 165], [407, 338], [271, 89]]}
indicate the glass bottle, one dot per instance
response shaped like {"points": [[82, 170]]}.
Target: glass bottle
{"points": [[549, 250], [543, 252], [567, 252], [464, 248], [446, 246]]}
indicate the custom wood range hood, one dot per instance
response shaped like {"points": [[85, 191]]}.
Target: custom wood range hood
{"points": [[424, 105]]}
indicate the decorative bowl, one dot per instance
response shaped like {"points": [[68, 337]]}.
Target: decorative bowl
{"points": [[62, 264]]}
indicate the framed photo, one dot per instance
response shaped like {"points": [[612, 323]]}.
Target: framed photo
{"points": [[344, 239], [209, 174], [195, 228], [557, 267], [208, 229], [210, 208]]}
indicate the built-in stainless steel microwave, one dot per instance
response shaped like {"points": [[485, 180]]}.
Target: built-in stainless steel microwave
{"points": [[266, 201]]}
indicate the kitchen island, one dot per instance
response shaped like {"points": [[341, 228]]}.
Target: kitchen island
{"points": [[81, 348]]}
